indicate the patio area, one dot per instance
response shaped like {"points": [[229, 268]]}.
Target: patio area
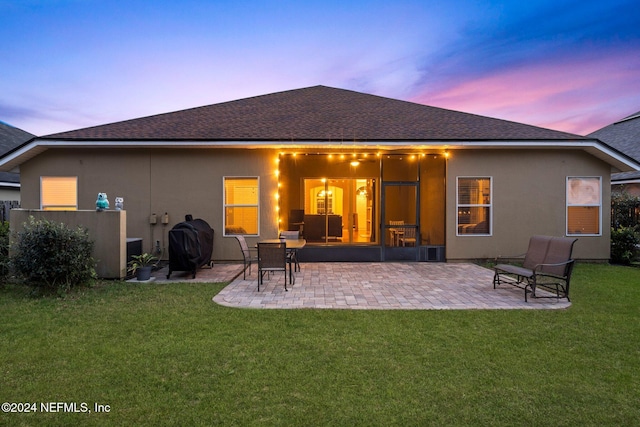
{"points": [[368, 286]]}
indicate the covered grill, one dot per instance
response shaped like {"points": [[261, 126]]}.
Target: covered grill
{"points": [[190, 246]]}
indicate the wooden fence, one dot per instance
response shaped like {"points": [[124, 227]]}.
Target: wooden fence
{"points": [[5, 208], [625, 213]]}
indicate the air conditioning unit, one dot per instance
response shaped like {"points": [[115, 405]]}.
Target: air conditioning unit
{"points": [[134, 247]]}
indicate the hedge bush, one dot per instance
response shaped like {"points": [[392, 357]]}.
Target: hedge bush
{"points": [[53, 256], [624, 245], [624, 209], [4, 249]]}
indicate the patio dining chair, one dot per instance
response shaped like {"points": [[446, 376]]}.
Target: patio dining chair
{"points": [[272, 257], [395, 231], [248, 255], [408, 237], [292, 255]]}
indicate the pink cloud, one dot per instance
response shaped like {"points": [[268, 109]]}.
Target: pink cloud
{"points": [[577, 95]]}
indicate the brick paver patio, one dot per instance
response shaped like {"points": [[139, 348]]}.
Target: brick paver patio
{"points": [[369, 286]]}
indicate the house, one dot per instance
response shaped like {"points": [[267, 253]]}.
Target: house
{"points": [[361, 177], [624, 136], [11, 137]]}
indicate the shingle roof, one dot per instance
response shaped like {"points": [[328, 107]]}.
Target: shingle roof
{"points": [[624, 136], [10, 138], [316, 113]]}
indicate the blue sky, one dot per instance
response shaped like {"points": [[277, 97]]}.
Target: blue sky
{"points": [[566, 65]]}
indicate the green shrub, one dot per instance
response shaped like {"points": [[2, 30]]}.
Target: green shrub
{"points": [[624, 209], [4, 249], [53, 256], [624, 245]]}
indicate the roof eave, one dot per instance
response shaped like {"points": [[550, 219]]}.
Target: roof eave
{"points": [[626, 181], [618, 161]]}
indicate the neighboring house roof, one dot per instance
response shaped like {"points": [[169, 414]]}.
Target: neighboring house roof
{"points": [[10, 138], [624, 136], [321, 117], [9, 179]]}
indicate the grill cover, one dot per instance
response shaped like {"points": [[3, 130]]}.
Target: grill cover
{"points": [[190, 246]]}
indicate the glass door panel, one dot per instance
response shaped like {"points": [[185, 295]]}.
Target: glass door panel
{"points": [[339, 210], [400, 227]]}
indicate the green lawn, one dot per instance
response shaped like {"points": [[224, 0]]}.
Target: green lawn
{"points": [[167, 355]]}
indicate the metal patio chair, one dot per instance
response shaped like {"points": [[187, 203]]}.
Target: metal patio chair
{"points": [[547, 264], [249, 255], [292, 254], [272, 257]]}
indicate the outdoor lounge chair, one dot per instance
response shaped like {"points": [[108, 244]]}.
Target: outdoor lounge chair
{"points": [[547, 265], [272, 257], [249, 258]]}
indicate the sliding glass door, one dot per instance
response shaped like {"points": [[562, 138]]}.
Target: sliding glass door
{"points": [[339, 210]]}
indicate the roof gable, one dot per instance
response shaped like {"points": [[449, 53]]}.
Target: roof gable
{"points": [[316, 113], [11, 137], [624, 136]]}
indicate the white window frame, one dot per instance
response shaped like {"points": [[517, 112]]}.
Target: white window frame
{"points": [[585, 204], [58, 207], [470, 205], [225, 205]]}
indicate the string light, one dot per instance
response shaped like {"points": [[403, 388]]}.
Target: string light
{"points": [[358, 157]]}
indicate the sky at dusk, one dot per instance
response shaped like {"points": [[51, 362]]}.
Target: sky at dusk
{"points": [[566, 65]]}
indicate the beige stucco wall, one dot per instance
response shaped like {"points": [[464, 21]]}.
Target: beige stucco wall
{"points": [[10, 194], [529, 196], [175, 181], [528, 192], [106, 229]]}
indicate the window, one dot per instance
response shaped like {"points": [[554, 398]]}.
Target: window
{"points": [[59, 193], [584, 201], [241, 206], [322, 198], [474, 206]]}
